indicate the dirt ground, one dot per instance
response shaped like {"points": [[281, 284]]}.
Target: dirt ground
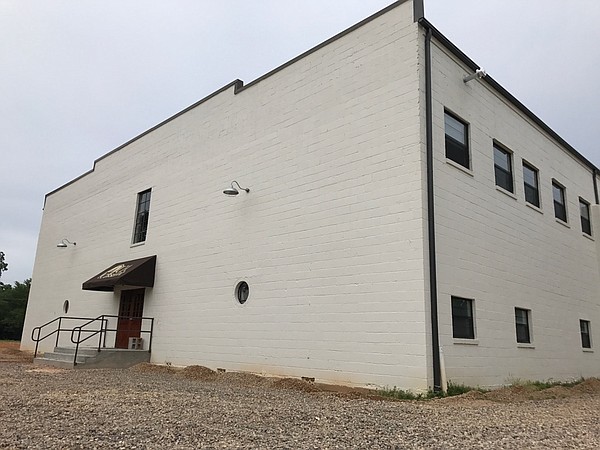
{"points": [[9, 352], [155, 407]]}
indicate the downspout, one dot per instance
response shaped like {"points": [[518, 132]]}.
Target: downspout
{"points": [[435, 341], [594, 175]]}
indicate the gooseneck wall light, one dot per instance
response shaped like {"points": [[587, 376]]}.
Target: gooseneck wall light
{"points": [[231, 191], [479, 74], [65, 243]]}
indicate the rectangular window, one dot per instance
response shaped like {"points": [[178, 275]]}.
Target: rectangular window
{"points": [[463, 326], [522, 324], [584, 211], [141, 217], [457, 140], [530, 181], [503, 168], [584, 326], [560, 206]]}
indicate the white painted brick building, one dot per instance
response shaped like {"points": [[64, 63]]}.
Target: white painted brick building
{"points": [[341, 159]]}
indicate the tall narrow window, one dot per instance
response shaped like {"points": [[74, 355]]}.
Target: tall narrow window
{"points": [[463, 326], [522, 324], [141, 217], [584, 326], [584, 208], [503, 168], [457, 140], [560, 206], [530, 181]]}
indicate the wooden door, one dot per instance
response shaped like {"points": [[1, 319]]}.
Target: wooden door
{"points": [[129, 323]]}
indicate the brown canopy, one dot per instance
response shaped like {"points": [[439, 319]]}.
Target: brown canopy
{"points": [[137, 272]]}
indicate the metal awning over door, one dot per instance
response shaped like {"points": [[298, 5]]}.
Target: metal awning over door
{"points": [[135, 273]]}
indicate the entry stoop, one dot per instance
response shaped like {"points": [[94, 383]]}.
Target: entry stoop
{"points": [[90, 358]]}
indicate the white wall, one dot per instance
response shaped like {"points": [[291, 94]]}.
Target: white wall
{"points": [[495, 249], [330, 238]]}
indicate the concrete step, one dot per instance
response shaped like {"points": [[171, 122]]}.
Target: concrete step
{"points": [[63, 356], [66, 357], [92, 359], [83, 351]]}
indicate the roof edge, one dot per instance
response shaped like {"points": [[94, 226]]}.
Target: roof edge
{"points": [[236, 84], [503, 92], [239, 86], [328, 41]]}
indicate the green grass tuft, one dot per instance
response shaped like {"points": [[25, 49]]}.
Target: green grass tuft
{"points": [[453, 389], [539, 385], [399, 394], [458, 389]]}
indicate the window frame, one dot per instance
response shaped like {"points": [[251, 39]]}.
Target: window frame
{"points": [[142, 217], [586, 336], [465, 330], [455, 145], [523, 326], [586, 222], [510, 173], [563, 191], [526, 185]]}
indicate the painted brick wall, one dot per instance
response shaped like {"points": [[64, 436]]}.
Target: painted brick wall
{"points": [[330, 238], [495, 249]]}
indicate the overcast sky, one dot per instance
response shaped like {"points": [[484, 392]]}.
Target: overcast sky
{"points": [[80, 77]]}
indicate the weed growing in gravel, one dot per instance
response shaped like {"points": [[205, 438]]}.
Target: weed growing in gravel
{"points": [[453, 389], [399, 394], [457, 389], [541, 385]]}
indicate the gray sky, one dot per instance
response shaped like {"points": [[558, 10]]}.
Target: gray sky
{"points": [[80, 77]]}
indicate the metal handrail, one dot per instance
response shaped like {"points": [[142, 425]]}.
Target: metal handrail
{"points": [[58, 330], [79, 340], [101, 332]]}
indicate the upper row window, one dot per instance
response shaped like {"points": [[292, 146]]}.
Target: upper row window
{"points": [[560, 204], [503, 168], [457, 140], [457, 150], [530, 182], [141, 216], [584, 208]]}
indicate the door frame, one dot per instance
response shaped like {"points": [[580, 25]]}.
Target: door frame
{"points": [[129, 321]]}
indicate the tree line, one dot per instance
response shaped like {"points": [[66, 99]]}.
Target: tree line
{"points": [[13, 304]]}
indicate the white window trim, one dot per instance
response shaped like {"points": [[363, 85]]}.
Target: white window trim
{"points": [[505, 192], [459, 341], [460, 167], [535, 208]]}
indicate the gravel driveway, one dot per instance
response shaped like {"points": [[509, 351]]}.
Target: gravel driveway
{"points": [[156, 408]]}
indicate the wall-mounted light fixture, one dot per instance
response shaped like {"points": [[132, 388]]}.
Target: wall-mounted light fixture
{"points": [[479, 74], [233, 191], [65, 243]]}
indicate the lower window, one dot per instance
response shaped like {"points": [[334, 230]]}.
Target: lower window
{"points": [[463, 326], [584, 326], [522, 322]]}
